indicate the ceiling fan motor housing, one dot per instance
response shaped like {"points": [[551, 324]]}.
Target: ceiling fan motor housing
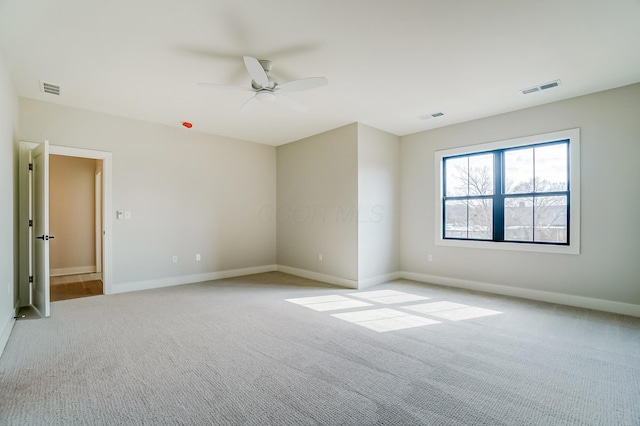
{"points": [[257, 86]]}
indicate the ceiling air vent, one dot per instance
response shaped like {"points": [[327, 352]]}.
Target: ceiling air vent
{"points": [[545, 86], [429, 116], [52, 89], [549, 85]]}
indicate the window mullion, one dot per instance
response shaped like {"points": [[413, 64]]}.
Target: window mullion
{"points": [[568, 194], [498, 197]]}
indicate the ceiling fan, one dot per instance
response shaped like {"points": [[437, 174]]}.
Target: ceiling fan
{"points": [[266, 89]]}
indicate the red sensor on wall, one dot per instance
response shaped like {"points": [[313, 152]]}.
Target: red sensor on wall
{"points": [[187, 124]]}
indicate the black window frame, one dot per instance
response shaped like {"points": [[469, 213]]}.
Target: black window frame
{"points": [[499, 194]]}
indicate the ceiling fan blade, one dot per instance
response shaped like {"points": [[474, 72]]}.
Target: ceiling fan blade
{"points": [[298, 49], [291, 103], [249, 105], [226, 87], [256, 71], [302, 84]]}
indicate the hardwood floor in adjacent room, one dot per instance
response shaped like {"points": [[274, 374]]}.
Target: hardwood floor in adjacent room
{"points": [[75, 286]]}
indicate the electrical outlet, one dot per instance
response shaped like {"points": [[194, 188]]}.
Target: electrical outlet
{"points": [[198, 257], [430, 258], [175, 259]]}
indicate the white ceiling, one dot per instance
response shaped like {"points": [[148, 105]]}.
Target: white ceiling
{"points": [[387, 61]]}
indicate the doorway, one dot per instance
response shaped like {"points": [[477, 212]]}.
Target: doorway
{"points": [[31, 266], [75, 214]]}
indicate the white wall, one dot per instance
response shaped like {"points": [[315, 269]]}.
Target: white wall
{"points": [[608, 267], [188, 193], [8, 205], [317, 205], [379, 205], [72, 215]]}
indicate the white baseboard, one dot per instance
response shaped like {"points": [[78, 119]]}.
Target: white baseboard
{"points": [[544, 296], [525, 293], [330, 279], [188, 279], [379, 279], [72, 271], [5, 332]]}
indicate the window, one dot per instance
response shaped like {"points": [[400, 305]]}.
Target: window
{"points": [[518, 194]]}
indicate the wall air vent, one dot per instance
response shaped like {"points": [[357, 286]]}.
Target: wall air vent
{"points": [[429, 116], [52, 89], [545, 86]]}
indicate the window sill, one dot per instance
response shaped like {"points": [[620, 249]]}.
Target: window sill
{"points": [[573, 249]]}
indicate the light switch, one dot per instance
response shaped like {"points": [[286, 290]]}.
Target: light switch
{"points": [[127, 214], [119, 215]]}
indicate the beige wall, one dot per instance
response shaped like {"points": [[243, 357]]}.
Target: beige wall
{"points": [[317, 204], [8, 204], [379, 204], [608, 266], [194, 193], [187, 192], [338, 196], [72, 214]]}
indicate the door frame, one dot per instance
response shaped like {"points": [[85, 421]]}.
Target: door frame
{"points": [[97, 211], [24, 191]]}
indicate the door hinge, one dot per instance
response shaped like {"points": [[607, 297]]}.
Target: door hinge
{"points": [[30, 222], [31, 278], [30, 166]]}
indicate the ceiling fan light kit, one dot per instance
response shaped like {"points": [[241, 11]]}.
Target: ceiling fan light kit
{"points": [[265, 96], [267, 90]]}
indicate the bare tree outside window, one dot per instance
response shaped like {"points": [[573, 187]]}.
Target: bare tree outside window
{"points": [[536, 171], [472, 218], [538, 218], [533, 201]]}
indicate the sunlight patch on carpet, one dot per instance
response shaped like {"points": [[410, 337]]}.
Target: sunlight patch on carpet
{"points": [[387, 297], [427, 308], [328, 303], [451, 310], [382, 320], [386, 319]]}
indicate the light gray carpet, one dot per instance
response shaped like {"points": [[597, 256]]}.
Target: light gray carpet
{"points": [[236, 352]]}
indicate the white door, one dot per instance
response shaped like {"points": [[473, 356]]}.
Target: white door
{"points": [[40, 244]]}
